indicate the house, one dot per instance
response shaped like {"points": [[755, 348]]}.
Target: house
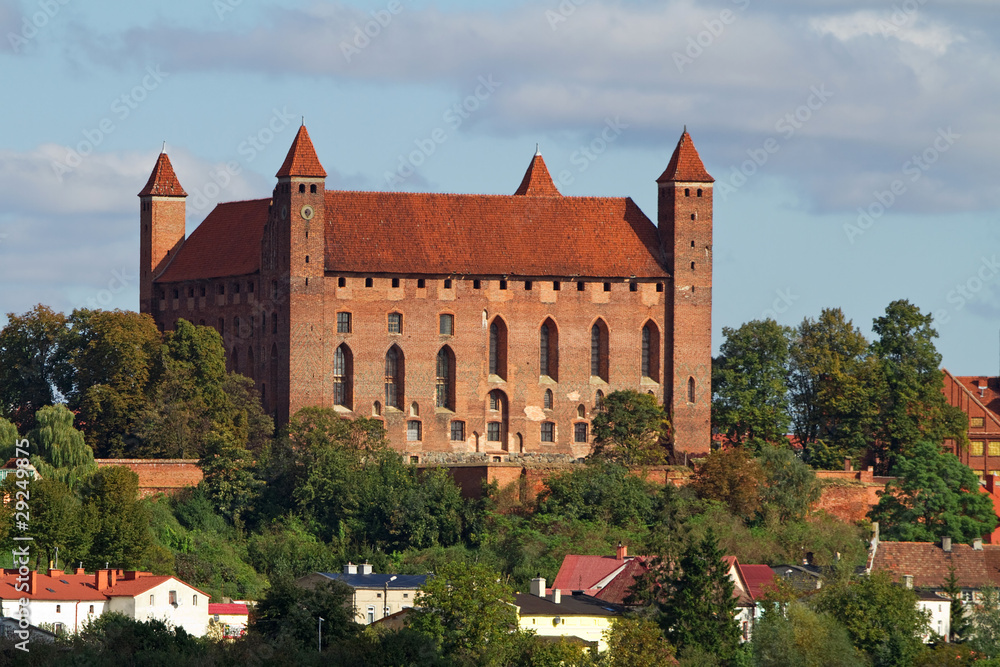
{"points": [[375, 596], [929, 564], [465, 323], [938, 609], [571, 616], [68, 601], [12, 629], [231, 618]]}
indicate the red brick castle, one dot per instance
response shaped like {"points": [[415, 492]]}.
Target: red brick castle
{"points": [[468, 323]]}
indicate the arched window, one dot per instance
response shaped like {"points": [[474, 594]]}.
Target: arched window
{"points": [[274, 323], [599, 350], [394, 378], [651, 352], [690, 390], [236, 360], [376, 409], [547, 400], [496, 418], [236, 327], [599, 400], [273, 405], [445, 379], [498, 348], [548, 349], [581, 411], [251, 371], [414, 409], [343, 377]]}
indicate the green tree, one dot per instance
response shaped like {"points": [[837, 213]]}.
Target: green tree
{"points": [[912, 407], [794, 635], [881, 618], [834, 385], [289, 611], [985, 623], [121, 533], [29, 363], [630, 428], [60, 450], [469, 612], [731, 476], [750, 383], [9, 438], [600, 491], [636, 642], [935, 495], [230, 477], [58, 521], [960, 625], [790, 487]]}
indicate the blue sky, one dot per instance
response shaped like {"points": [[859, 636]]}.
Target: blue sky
{"points": [[853, 143]]}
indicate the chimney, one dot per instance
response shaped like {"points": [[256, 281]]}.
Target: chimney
{"points": [[556, 595], [847, 464], [538, 587], [32, 582], [977, 544], [55, 573], [101, 579], [113, 577], [365, 568], [946, 544], [908, 581], [622, 552], [350, 568], [80, 570]]}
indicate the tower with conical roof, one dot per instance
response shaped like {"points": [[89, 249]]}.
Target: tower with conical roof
{"points": [[161, 226], [684, 219]]}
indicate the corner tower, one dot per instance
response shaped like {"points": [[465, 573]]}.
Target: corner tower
{"points": [[684, 219], [161, 226], [295, 292]]}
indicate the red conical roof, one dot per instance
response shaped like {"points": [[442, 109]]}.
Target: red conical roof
{"points": [[685, 164], [163, 181], [537, 182], [301, 159]]}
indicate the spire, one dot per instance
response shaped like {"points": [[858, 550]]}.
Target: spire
{"points": [[163, 181], [537, 182], [685, 164], [301, 159]]}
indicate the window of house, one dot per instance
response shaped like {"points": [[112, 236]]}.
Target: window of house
{"points": [[177, 294], [172, 597], [599, 350], [975, 422], [547, 400], [447, 324], [395, 323], [556, 285], [342, 376], [651, 352], [341, 282], [691, 390], [659, 287], [194, 600], [369, 282], [976, 448], [91, 610], [527, 284], [58, 608], [607, 287], [344, 323], [371, 614], [498, 348], [495, 400], [395, 282], [633, 287], [236, 288], [444, 382], [493, 431], [994, 448], [57, 628], [151, 599], [598, 399], [548, 432], [221, 289], [203, 290], [376, 409], [581, 411], [312, 189], [393, 386], [580, 286], [458, 430], [413, 430], [580, 432]]}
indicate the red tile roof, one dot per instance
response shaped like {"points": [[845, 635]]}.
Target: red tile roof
{"points": [[226, 243], [163, 181], [584, 572], [228, 609], [537, 181], [76, 587], [929, 563], [685, 164], [758, 578], [620, 587], [301, 159]]}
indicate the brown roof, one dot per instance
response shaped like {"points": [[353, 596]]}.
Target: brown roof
{"points": [[537, 181], [619, 588], [226, 243], [929, 563], [163, 181], [685, 164], [301, 159]]}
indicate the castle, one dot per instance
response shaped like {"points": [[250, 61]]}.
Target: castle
{"points": [[467, 323]]}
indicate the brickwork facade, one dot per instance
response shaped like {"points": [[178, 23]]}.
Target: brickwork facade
{"points": [[467, 323]]}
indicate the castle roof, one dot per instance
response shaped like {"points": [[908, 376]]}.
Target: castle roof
{"points": [[301, 159], [537, 181], [685, 164], [163, 181]]}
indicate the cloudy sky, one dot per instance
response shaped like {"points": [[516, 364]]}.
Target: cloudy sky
{"points": [[854, 143]]}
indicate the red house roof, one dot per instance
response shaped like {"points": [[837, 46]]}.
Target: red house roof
{"points": [[537, 181], [685, 164], [585, 572], [163, 181], [929, 563], [228, 609], [619, 588], [301, 159], [758, 579]]}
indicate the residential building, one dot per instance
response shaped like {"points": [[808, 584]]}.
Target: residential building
{"points": [[571, 616], [232, 618], [466, 323], [375, 596]]}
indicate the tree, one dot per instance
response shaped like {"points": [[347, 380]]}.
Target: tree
{"points": [[629, 428], [730, 476], [58, 521], [834, 384], [935, 495], [60, 450], [469, 612], [29, 363], [881, 618], [960, 625], [985, 623], [790, 487], [121, 535], [636, 642], [292, 612], [912, 407], [750, 404], [604, 492], [693, 599], [794, 635], [229, 475]]}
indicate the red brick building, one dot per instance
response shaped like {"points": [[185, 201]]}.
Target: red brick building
{"points": [[979, 398], [468, 323]]}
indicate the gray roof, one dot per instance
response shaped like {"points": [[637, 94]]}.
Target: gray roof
{"points": [[373, 581], [570, 605]]}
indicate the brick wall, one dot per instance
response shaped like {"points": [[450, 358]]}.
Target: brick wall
{"points": [[160, 475], [161, 232]]}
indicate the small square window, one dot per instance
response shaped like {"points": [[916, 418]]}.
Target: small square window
{"points": [[369, 282], [222, 289], [503, 284], [344, 323], [421, 283], [177, 294], [607, 287], [633, 287], [203, 290], [976, 448], [548, 432], [579, 286], [556, 285], [341, 282], [580, 432], [413, 430], [395, 323], [493, 431], [527, 284], [447, 327], [976, 422], [458, 430], [395, 282], [447, 283], [414, 460], [236, 286], [659, 287], [994, 448], [477, 284]]}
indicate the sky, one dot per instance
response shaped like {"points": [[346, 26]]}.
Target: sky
{"points": [[853, 143]]}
